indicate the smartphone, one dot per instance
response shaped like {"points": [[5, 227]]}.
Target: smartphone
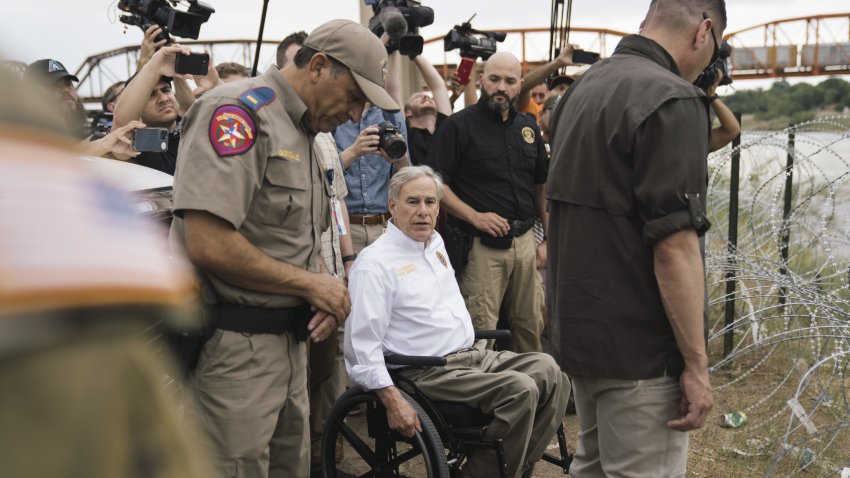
{"points": [[464, 69], [150, 140], [585, 57], [192, 64]]}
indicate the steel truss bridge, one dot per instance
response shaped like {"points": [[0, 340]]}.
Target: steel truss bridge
{"points": [[793, 47]]}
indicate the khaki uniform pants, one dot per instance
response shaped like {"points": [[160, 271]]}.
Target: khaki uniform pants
{"points": [[94, 407], [493, 275], [526, 393], [363, 235], [251, 392], [327, 382], [623, 431]]}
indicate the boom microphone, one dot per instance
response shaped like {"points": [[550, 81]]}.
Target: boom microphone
{"points": [[393, 22]]}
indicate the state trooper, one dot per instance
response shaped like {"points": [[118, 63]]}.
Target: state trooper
{"points": [[251, 202]]}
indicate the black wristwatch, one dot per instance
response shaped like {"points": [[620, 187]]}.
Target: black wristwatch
{"points": [[349, 258]]}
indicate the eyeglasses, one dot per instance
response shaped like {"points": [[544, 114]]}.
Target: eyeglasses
{"points": [[716, 53]]}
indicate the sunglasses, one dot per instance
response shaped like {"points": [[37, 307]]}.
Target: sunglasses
{"points": [[716, 53]]}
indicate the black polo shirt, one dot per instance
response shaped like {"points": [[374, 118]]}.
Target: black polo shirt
{"points": [[419, 141], [165, 162], [492, 165], [630, 141]]}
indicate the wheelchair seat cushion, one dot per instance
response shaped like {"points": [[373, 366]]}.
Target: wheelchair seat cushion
{"points": [[460, 415]]}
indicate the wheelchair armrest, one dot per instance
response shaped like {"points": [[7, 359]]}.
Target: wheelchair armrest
{"points": [[492, 334], [415, 360]]}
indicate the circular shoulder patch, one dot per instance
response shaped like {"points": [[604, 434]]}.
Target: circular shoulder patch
{"points": [[232, 130], [528, 135]]}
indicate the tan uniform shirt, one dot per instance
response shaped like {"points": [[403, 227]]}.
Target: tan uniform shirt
{"points": [[246, 157]]}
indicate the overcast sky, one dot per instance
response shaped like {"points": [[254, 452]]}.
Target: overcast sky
{"points": [[71, 30]]}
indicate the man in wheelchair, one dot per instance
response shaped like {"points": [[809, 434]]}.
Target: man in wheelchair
{"points": [[406, 301]]}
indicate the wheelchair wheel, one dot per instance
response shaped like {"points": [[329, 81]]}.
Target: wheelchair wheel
{"points": [[372, 449]]}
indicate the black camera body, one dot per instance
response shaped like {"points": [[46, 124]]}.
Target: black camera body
{"points": [[721, 66], [393, 145], [101, 125], [471, 42], [185, 24], [401, 20]]}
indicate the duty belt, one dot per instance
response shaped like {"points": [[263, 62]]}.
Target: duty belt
{"points": [[368, 219], [261, 320]]}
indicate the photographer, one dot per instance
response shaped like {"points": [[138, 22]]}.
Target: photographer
{"points": [[425, 113], [729, 128], [368, 168], [149, 96]]}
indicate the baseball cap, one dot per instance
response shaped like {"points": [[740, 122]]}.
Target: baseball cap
{"points": [[49, 71], [361, 51], [561, 80], [550, 102]]}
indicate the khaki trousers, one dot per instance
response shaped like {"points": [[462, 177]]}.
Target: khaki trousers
{"points": [[363, 235], [526, 393], [251, 392], [623, 431], [94, 407], [327, 382], [509, 275]]}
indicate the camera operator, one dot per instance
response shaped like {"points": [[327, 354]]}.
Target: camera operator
{"points": [[729, 128], [149, 96], [494, 163], [368, 168], [425, 113], [288, 47]]}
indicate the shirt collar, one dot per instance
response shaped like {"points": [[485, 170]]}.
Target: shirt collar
{"points": [[648, 48], [295, 108], [402, 240]]}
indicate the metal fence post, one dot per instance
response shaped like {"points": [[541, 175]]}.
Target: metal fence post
{"points": [[785, 232], [729, 336]]}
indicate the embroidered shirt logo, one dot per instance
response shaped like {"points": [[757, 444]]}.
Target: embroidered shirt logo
{"points": [[528, 135]]}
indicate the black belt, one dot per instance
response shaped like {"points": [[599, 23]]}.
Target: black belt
{"points": [[518, 227], [261, 320]]}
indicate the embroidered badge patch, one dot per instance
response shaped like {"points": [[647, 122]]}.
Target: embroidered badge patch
{"points": [[442, 259], [528, 135], [231, 130]]}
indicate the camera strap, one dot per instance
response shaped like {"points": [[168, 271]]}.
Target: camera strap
{"points": [[390, 117]]}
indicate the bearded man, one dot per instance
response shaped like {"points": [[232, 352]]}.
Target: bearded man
{"points": [[494, 164]]}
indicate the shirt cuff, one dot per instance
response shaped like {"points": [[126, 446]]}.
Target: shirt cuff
{"points": [[659, 228], [371, 378]]}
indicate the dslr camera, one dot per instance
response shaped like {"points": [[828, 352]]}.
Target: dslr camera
{"points": [[389, 143], [720, 66], [185, 24], [472, 44], [401, 20]]}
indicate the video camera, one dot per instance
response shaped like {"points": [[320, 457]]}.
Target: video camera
{"points": [[186, 24], [719, 67], [472, 44], [401, 20]]}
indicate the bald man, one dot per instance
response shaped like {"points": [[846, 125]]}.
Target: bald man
{"points": [[494, 164]]}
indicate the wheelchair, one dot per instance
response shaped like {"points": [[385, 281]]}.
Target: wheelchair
{"points": [[450, 431]]}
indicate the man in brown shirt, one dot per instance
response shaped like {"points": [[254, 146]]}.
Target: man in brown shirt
{"points": [[251, 201], [627, 200]]}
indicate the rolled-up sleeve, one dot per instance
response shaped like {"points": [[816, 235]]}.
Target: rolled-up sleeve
{"points": [[371, 305], [670, 170]]}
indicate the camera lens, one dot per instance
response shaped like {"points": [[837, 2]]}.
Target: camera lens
{"points": [[163, 135], [393, 146]]}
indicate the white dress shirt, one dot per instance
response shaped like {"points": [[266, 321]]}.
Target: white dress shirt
{"points": [[404, 300]]}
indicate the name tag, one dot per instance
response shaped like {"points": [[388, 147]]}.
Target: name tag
{"points": [[404, 270]]}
